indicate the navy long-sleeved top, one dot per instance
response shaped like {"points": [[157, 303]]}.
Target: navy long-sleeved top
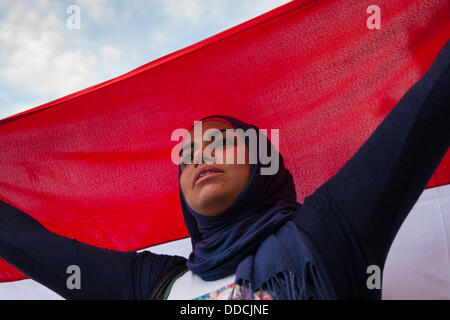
{"points": [[349, 222]]}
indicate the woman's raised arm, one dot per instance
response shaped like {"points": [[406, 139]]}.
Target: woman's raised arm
{"points": [[104, 274], [361, 208]]}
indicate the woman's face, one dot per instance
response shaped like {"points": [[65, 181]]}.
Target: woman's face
{"points": [[213, 194]]}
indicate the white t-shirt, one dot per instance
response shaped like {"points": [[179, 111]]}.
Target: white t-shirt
{"points": [[190, 286]]}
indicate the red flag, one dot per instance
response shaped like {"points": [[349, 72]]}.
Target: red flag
{"points": [[96, 165]]}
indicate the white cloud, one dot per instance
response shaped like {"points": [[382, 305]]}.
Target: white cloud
{"points": [[189, 10], [98, 10], [207, 11], [33, 54], [110, 52]]}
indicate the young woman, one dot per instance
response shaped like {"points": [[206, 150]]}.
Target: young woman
{"points": [[251, 238]]}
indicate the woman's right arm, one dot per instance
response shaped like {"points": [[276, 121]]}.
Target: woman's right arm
{"points": [[104, 274]]}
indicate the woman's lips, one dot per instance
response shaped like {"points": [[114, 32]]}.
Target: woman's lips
{"points": [[208, 176]]}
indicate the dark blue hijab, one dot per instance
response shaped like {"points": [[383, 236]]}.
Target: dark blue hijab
{"points": [[248, 238]]}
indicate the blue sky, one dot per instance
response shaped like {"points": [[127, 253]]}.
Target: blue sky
{"points": [[41, 59]]}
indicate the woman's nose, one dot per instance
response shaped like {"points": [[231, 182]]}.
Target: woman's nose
{"points": [[201, 157]]}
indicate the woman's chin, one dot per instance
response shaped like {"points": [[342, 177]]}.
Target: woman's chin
{"points": [[208, 189], [212, 200]]}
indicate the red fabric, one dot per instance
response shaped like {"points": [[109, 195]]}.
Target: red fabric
{"points": [[95, 165]]}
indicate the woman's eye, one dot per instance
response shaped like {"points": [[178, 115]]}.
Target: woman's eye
{"points": [[226, 143]]}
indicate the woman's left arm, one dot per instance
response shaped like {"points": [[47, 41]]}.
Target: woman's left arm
{"points": [[376, 189]]}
